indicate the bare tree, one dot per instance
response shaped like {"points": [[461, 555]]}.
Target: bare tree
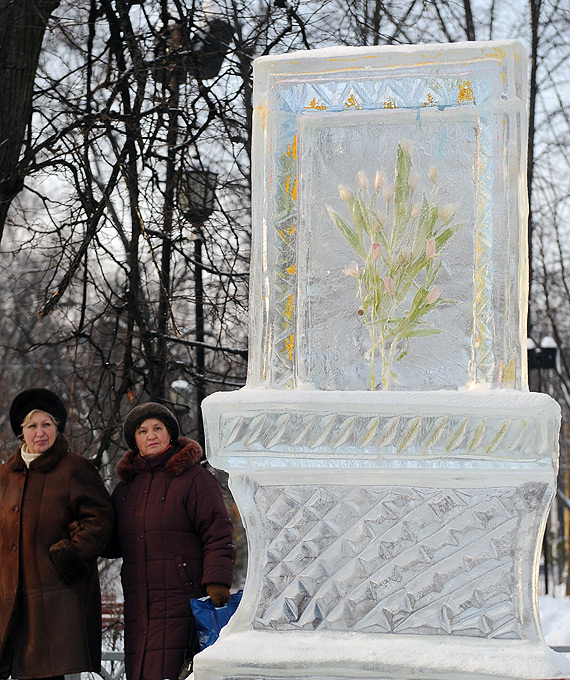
{"points": [[22, 27]]}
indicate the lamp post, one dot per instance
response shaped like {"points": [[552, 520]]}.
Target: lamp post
{"points": [[172, 87], [196, 198], [542, 356], [178, 54]]}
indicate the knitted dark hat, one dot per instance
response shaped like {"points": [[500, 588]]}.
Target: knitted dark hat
{"points": [[143, 412], [39, 399]]}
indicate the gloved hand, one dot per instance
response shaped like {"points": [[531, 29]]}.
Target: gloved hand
{"points": [[219, 594]]}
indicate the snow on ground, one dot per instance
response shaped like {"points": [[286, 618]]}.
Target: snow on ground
{"points": [[555, 619]]}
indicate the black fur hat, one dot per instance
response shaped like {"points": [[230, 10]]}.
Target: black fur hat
{"points": [[39, 399], [143, 412]]}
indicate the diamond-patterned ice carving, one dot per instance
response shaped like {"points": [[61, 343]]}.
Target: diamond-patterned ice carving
{"points": [[394, 559]]}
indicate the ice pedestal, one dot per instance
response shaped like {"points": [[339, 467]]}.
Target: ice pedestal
{"points": [[392, 472], [391, 535]]}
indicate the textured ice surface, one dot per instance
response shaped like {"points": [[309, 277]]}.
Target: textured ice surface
{"points": [[334, 349], [391, 469], [398, 559], [336, 431]]}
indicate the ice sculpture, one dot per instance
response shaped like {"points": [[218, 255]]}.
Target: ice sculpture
{"points": [[392, 470]]}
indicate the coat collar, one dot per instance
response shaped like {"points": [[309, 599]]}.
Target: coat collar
{"points": [[44, 463], [183, 454]]}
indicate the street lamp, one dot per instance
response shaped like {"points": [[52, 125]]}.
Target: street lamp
{"points": [[180, 54], [199, 54], [180, 397], [543, 356], [197, 194], [197, 198]]}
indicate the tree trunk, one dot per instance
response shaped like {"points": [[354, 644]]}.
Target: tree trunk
{"points": [[22, 28], [469, 24]]}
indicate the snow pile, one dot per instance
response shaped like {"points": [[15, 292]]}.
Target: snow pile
{"points": [[555, 620]]}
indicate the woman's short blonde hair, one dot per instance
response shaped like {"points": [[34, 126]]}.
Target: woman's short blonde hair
{"points": [[38, 410]]}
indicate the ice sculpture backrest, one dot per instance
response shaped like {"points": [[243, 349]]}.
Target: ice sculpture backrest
{"points": [[389, 219]]}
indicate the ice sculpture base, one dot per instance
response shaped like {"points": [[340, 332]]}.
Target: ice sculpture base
{"points": [[395, 534], [335, 656]]}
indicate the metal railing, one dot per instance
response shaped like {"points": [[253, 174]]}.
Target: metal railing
{"points": [[120, 668]]}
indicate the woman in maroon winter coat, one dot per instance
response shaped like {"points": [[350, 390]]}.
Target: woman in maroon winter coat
{"points": [[174, 534], [55, 519]]}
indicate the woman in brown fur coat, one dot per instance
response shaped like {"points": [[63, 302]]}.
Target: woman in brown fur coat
{"points": [[175, 537], [55, 519]]}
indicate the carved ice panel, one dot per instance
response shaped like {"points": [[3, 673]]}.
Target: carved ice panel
{"points": [[407, 560], [317, 129]]}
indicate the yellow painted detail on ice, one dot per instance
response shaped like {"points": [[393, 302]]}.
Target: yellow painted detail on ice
{"points": [[261, 111], [291, 187], [315, 105], [289, 346], [465, 92], [507, 372], [498, 53], [290, 306], [351, 103], [292, 148]]}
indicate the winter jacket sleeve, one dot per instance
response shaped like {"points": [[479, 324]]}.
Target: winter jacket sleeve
{"points": [[214, 527], [90, 529]]}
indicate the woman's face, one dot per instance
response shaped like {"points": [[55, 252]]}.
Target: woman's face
{"points": [[39, 430], [152, 437]]}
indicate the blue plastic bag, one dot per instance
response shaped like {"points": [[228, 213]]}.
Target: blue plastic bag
{"points": [[210, 620]]}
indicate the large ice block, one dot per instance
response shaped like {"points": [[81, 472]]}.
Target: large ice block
{"points": [[392, 471], [346, 117]]}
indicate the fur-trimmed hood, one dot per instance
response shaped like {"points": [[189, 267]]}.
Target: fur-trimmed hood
{"points": [[44, 463], [177, 459]]}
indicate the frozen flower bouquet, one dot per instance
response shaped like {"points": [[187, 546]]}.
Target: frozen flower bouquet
{"points": [[399, 239]]}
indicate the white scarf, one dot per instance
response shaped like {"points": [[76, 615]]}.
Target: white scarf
{"points": [[28, 457]]}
